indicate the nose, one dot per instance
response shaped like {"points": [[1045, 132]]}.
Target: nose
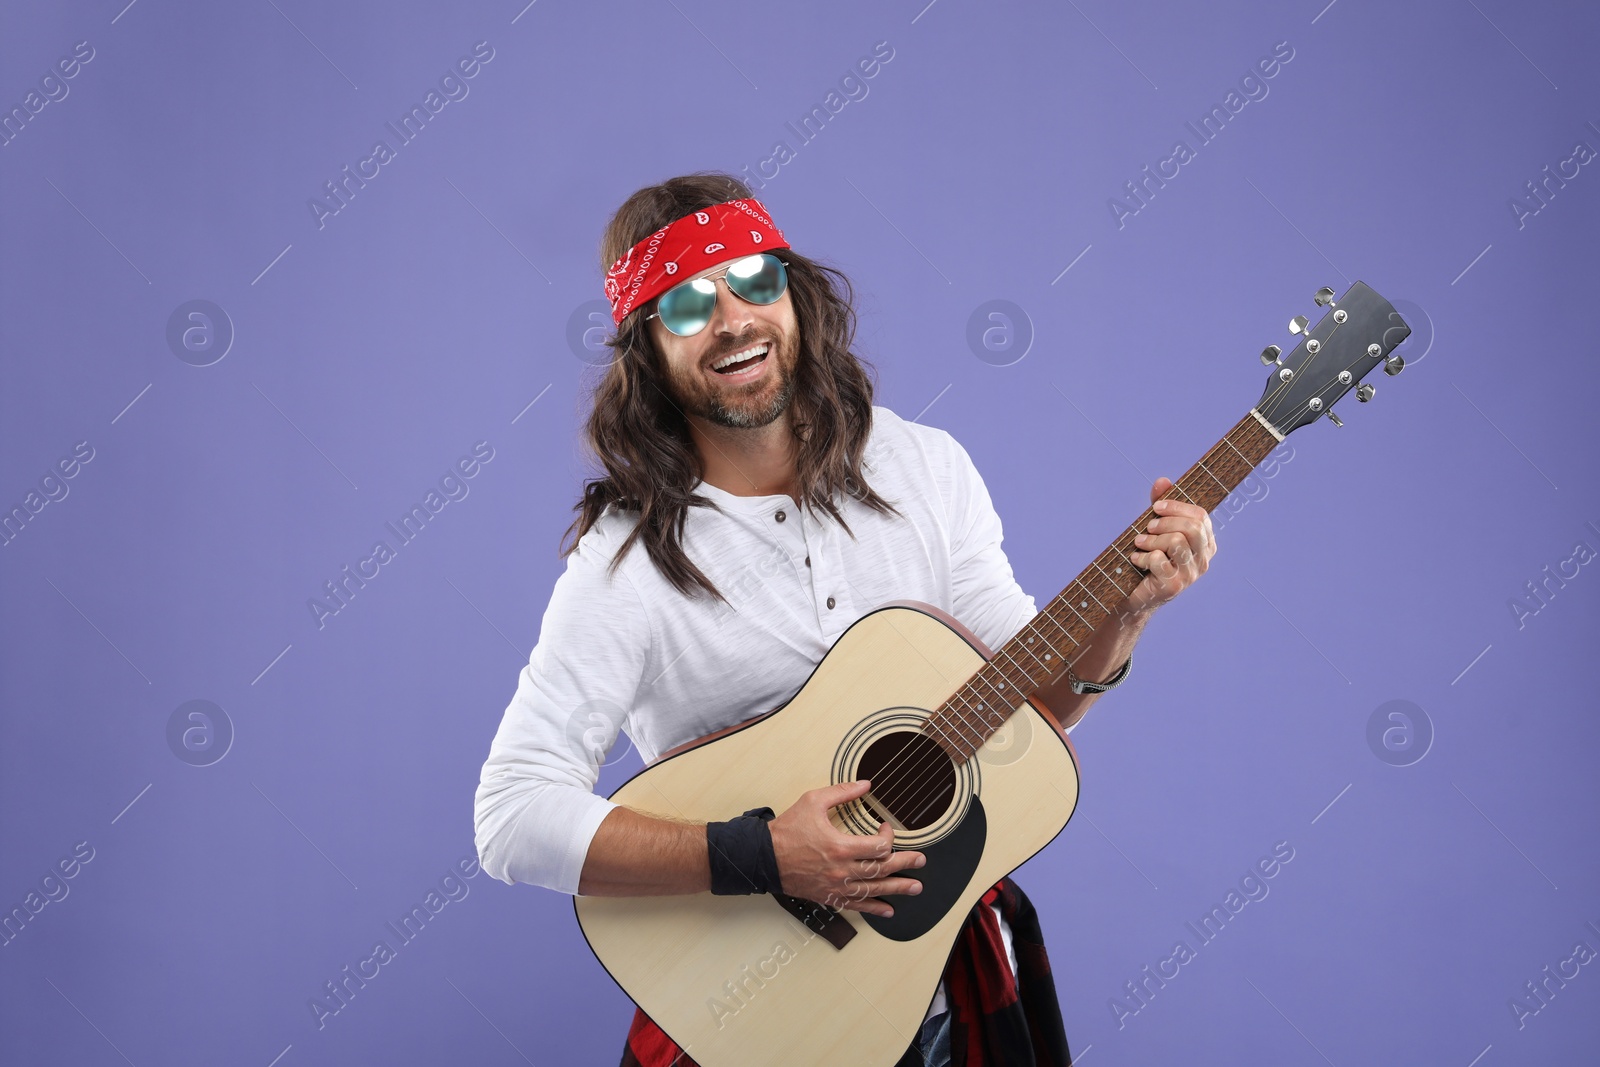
{"points": [[731, 315]]}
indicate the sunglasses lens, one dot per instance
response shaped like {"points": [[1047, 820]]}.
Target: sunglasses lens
{"points": [[759, 279], [687, 308]]}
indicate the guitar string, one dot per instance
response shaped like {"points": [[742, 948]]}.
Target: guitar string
{"points": [[920, 787], [963, 714], [1115, 551], [1106, 558], [927, 788], [921, 797], [928, 792], [924, 794]]}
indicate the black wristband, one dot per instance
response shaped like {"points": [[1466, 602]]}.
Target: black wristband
{"points": [[742, 859]]}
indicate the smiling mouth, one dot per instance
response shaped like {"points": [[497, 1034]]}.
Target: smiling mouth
{"points": [[747, 360]]}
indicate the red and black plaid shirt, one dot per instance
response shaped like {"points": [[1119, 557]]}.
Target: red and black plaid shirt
{"points": [[995, 1020]]}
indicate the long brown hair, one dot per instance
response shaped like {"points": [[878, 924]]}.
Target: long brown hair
{"points": [[641, 437]]}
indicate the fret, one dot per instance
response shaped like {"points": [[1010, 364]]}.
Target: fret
{"points": [[1053, 622], [1114, 584], [1002, 652], [981, 679], [964, 746], [1043, 615], [986, 679], [1052, 658], [963, 703], [980, 712], [972, 702], [947, 734], [954, 705], [977, 720], [933, 724], [1002, 696], [994, 717], [1079, 614], [1228, 441], [1225, 489], [1218, 456], [1038, 661], [1006, 698], [967, 715], [1219, 453], [1028, 647], [1085, 587], [1064, 624], [1133, 533], [1198, 496], [996, 690], [969, 727], [962, 710], [959, 722]]}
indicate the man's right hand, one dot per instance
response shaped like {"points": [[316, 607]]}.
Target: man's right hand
{"points": [[819, 862]]}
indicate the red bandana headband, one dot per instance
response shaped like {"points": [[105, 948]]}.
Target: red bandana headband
{"points": [[686, 247]]}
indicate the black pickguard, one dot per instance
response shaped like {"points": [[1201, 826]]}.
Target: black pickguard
{"points": [[951, 861]]}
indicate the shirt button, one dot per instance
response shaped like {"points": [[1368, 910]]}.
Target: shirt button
{"points": [[830, 602], [808, 561], [780, 516]]}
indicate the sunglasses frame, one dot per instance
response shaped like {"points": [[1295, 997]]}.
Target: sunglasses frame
{"points": [[721, 273]]}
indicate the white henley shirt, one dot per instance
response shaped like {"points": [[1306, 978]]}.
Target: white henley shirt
{"points": [[630, 653]]}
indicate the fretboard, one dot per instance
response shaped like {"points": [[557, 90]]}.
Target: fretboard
{"points": [[1058, 634]]}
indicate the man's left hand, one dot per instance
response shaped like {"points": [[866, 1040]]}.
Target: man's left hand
{"points": [[1174, 552]]}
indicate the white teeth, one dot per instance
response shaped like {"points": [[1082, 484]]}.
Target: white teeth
{"points": [[737, 356]]}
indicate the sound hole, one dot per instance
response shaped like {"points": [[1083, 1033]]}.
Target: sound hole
{"points": [[912, 779]]}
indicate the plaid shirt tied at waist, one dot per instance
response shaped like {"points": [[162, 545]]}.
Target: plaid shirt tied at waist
{"points": [[995, 1020]]}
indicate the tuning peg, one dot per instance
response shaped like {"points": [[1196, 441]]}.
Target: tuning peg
{"points": [[1324, 297], [1335, 419], [1299, 324], [1270, 354], [1365, 391], [1394, 364]]}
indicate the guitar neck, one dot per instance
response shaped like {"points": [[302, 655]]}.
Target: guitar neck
{"points": [[1060, 632]]}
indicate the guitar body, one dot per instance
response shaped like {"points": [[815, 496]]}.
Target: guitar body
{"points": [[739, 981]]}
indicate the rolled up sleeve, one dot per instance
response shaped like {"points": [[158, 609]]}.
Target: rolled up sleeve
{"points": [[535, 810]]}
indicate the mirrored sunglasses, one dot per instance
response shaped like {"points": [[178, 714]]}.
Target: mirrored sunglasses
{"points": [[686, 309]]}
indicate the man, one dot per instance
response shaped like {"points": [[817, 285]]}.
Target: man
{"points": [[775, 506]]}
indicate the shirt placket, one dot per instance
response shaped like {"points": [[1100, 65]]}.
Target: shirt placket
{"points": [[787, 530], [829, 598]]}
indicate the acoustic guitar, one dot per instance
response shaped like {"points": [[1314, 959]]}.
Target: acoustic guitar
{"points": [[967, 768]]}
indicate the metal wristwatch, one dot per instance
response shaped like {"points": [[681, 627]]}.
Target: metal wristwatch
{"points": [[1083, 688]]}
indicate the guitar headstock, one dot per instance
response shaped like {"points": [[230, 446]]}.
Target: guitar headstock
{"points": [[1360, 331]]}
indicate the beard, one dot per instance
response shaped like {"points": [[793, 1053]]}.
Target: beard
{"points": [[746, 406]]}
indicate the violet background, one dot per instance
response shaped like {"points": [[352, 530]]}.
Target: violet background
{"points": [[454, 291]]}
